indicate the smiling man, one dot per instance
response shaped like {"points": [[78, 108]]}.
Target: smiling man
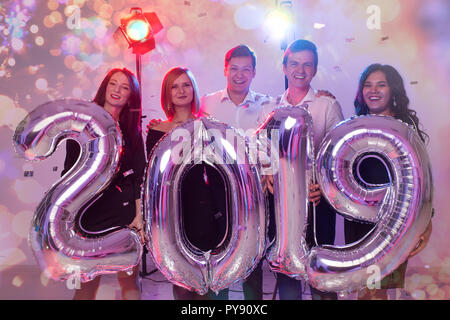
{"points": [[237, 105]]}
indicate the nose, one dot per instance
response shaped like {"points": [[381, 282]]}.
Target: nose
{"points": [[373, 89]]}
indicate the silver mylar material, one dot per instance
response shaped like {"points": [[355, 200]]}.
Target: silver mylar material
{"points": [[289, 251], [60, 250], [203, 140], [401, 209]]}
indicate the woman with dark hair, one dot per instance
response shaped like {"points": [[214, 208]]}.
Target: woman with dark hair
{"points": [[395, 102], [119, 205], [202, 188], [381, 91]]}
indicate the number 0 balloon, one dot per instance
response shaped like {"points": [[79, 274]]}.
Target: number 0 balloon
{"points": [[209, 141]]}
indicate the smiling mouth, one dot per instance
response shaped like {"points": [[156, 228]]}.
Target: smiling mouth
{"points": [[374, 98], [115, 96], [299, 77]]}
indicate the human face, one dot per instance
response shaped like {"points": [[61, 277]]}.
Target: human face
{"points": [[377, 93], [300, 69], [182, 91], [118, 91], [239, 74]]}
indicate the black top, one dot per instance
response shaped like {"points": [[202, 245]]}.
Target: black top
{"points": [[116, 207], [203, 199]]}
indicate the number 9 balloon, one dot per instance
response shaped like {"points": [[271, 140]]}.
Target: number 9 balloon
{"points": [[401, 210], [54, 238]]}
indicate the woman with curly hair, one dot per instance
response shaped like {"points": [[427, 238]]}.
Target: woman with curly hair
{"points": [[381, 91]]}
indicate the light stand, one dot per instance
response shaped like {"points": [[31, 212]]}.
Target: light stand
{"points": [[138, 28]]}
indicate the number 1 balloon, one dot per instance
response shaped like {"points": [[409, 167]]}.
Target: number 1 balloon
{"points": [[289, 251], [54, 238]]}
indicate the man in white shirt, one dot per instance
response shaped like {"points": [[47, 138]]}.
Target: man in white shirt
{"points": [[241, 108], [300, 66], [237, 105]]}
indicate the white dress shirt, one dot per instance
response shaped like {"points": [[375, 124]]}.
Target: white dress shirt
{"points": [[325, 111], [247, 115]]}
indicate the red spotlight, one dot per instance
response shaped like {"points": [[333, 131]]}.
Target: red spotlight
{"points": [[139, 28]]}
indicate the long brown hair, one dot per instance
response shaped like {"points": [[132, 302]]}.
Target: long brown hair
{"points": [[398, 95], [130, 116]]}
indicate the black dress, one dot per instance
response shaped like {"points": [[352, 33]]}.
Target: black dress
{"points": [[116, 207], [203, 201]]}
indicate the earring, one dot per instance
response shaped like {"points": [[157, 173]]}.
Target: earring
{"points": [[394, 103]]}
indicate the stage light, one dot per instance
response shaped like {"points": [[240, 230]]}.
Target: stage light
{"points": [[277, 23], [138, 28]]}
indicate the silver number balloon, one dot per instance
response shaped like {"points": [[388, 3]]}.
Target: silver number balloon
{"points": [[400, 210], [203, 140], [289, 251], [59, 249]]}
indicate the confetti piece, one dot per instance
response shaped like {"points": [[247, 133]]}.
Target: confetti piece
{"points": [[318, 25], [349, 39], [203, 14], [384, 38], [187, 3], [337, 68], [414, 82], [28, 173], [55, 169]]}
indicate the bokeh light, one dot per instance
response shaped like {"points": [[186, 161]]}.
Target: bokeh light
{"points": [[17, 44], [28, 190], [39, 41], [34, 29], [175, 35], [41, 84], [17, 281], [21, 223], [249, 17]]}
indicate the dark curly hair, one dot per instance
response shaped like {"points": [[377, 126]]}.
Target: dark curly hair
{"points": [[398, 94]]}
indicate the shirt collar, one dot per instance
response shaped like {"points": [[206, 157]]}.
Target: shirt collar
{"points": [[250, 97], [310, 96]]}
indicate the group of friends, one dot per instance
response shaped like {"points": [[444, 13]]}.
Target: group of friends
{"points": [[380, 91]]}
